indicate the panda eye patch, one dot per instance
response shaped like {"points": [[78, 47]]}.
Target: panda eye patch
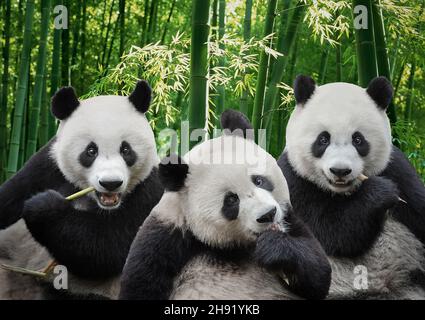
{"points": [[262, 182], [128, 153], [88, 156], [320, 144], [360, 143], [230, 207]]}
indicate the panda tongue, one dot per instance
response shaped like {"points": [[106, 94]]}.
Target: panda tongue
{"points": [[109, 199]]}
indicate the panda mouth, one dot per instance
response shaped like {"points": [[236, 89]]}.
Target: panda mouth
{"points": [[340, 183], [108, 199]]}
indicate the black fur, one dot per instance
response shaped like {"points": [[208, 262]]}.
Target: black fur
{"points": [[237, 123], [381, 91], [38, 174], [157, 255], [86, 159], [93, 243], [262, 182], [346, 226], [230, 209], [298, 255], [363, 147], [64, 102], [304, 88], [321, 143], [141, 96], [128, 154], [173, 172], [412, 190]]}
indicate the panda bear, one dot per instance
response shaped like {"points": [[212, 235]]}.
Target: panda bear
{"points": [[105, 142], [224, 229], [356, 191]]}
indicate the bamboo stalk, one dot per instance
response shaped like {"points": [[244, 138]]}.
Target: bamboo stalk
{"points": [[365, 46], [284, 45], [323, 66], [382, 59], [220, 99], [198, 99], [65, 79], [164, 33], [263, 68], [15, 139], [79, 194], [108, 29], [34, 112], [37, 274], [43, 135], [4, 91], [82, 67], [339, 62], [243, 102], [122, 26], [55, 73], [145, 22]]}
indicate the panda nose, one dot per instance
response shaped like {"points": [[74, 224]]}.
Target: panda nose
{"points": [[268, 216], [340, 172], [111, 185]]}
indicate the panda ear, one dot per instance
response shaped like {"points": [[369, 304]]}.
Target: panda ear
{"points": [[141, 96], [236, 123], [64, 103], [173, 172], [304, 88], [381, 91]]}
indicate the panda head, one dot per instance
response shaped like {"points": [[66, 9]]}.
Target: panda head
{"points": [[339, 131], [228, 189], [105, 142]]}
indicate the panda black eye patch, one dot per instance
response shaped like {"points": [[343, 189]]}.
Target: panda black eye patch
{"points": [[361, 144], [262, 182], [128, 154], [89, 154], [320, 144], [230, 209]]}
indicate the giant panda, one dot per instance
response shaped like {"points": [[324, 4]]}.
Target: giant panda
{"points": [[105, 142], [224, 229], [338, 136]]}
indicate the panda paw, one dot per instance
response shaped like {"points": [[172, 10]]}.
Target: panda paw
{"points": [[45, 204], [271, 251], [382, 192]]}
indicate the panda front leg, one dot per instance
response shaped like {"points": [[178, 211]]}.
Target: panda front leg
{"points": [[81, 241], [39, 174], [157, 255], [298, 255]]}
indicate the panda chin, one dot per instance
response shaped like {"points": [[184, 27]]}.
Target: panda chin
{"points": [[108, 201]]}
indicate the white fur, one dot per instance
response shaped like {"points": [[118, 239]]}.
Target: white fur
{"points": [[389, 264], [206, 278], [216, 167], [222, 165], [341, 109], [107, 121]]}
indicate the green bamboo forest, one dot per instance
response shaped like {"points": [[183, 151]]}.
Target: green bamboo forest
{"points": [[202, 57]]}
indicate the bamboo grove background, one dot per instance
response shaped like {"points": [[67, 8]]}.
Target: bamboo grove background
{"points": [[203, 56]]}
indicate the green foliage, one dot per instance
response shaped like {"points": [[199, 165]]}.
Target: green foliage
{"points": [[412, 143], [155, 37]]}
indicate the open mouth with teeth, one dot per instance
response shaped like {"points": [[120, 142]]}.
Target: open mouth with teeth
{"points": [[339, 183], [108, 199]]}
